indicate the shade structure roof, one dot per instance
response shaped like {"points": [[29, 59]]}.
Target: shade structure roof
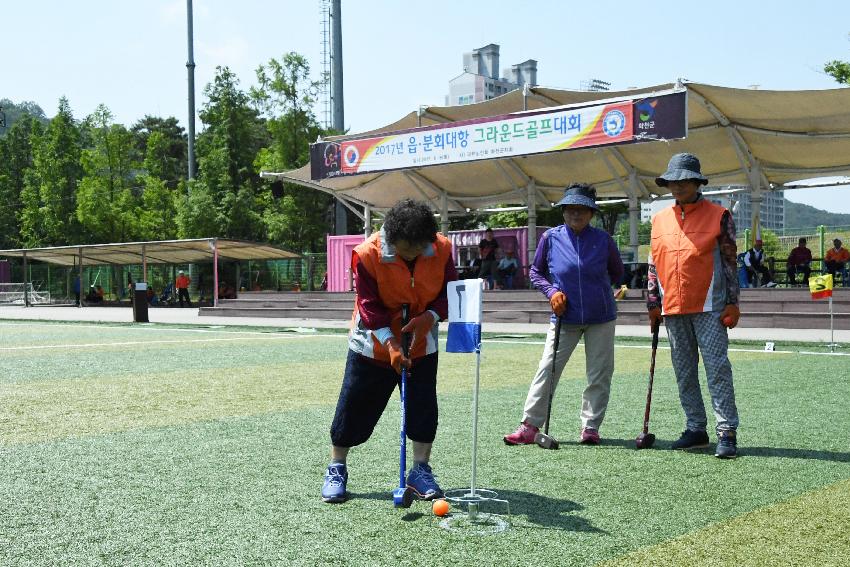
{"points": [[740, 135], [154, 252]]}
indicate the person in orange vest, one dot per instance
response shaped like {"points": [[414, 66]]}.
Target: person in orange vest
{"points": [[836, 258], [693, 284], [182, 285], [407, 262]]}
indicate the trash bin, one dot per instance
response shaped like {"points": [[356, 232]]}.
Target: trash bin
{"points": [[140, 303]]}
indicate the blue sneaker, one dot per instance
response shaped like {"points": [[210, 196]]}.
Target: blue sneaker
{"points": [[336, 478], [421, 480]]}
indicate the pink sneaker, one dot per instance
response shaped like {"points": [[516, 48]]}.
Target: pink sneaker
{"points": [[524, 435], [589, 436]]}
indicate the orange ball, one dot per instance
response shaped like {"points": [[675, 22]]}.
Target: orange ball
{"points": [[440, 507]]}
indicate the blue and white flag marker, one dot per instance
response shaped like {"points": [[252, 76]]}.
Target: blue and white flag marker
{"points": [[466, 307]]}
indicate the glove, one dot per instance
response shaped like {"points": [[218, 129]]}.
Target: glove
{"points": [[420, 326], [655, 317], [397, 358], [730, 315], [558, 301]]}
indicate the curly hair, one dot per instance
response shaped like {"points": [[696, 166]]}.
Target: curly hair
{"points": [[412, 221]]}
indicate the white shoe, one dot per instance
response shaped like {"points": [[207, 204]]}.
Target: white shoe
{"points": [[770, 284]]}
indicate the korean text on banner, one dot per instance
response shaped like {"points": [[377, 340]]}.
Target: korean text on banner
{"points": [[821, 286], [466, 308]]}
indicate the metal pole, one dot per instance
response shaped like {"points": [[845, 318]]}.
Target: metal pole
{"points": [[475, 421], [215, 272], [367, 221], [444, 213], [340, 214], [532, 223], [144, 264], [190, 68], [831, 328], [80, 303], [26, 295]]}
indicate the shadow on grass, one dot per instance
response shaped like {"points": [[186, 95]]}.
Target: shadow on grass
{"points": [[541, 512]]}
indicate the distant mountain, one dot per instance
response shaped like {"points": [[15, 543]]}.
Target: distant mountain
{"points": [[798, 215], [13, 112]]}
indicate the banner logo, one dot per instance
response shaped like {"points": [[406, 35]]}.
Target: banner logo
{"points": [[352, 156], [614, 123]]}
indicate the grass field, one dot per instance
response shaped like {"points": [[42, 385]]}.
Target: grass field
{"points": [[158, 445]]}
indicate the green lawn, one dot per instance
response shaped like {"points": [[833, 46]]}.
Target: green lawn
{"points": [[124, 444]]}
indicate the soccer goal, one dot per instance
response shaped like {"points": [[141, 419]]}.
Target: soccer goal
{"points": [[13, 294]]}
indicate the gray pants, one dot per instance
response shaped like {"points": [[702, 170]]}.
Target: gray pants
{"points": [[689, 336], [599, 357]]}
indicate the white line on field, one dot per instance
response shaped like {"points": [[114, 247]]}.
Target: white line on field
{"points": [[647, 347], [159, 342]]}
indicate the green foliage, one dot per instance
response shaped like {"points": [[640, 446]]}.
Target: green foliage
{"points": [[798, 215], [50, 185], [839, 70], [15, 112], [622, 233], [107, 204], [169, 162], [16, 157]]}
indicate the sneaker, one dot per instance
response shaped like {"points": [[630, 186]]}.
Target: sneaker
{"points": [[421, 480], [770, 284], [336, 478], [589, 436], [691, 440], [727, 445], [524, 435]]}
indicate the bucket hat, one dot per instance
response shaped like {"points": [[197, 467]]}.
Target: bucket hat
{"points": [[579, 194], [682, 167]]}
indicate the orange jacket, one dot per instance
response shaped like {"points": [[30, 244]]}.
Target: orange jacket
{"points": [[182, 282], [396, 286], [687, 257], [840, 255]]}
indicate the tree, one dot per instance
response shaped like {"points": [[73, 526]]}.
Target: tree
{"points": [[107, 205], [49, 195], [839, 70], [644, 231], [15, 112], [172, 147], [16, 158], [298, 218], [158, 216], [227, 182]]}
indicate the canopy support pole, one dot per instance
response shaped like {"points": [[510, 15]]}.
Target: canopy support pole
{"points": [[634, 215], [144, 264], [531, 202], [80, 275], [26, 279], [367, 221], [215, 272], [755, 200], [444, 213]]}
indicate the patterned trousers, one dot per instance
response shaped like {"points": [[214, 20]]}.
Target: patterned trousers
{"points": [[689, 336]]}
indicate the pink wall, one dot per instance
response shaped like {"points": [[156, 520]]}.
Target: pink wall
{"points": [[339, 260]]}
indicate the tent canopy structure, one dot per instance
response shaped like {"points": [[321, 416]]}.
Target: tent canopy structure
{"points": [[755, 138], [743, 137], [154, 252]]}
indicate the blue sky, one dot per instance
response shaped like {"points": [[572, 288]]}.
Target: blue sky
{"points": [[399, 54]]}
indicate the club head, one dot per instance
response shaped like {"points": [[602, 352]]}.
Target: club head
{"points": [[546, 441], [402, 497], [645, 440]]}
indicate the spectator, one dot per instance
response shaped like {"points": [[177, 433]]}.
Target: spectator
{"points": [[487, 252], [407, 246], [836, 258], [507, 268], [182, 285], [799, 260], [754, 261], [92, 296], [574, 266], [695, 288], [324, 285]]}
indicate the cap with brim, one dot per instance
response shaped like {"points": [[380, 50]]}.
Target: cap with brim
{"points": [[682, 167], [579, 195]]}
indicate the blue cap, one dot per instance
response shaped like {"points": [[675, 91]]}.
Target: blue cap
{"points": [[579, 194]]}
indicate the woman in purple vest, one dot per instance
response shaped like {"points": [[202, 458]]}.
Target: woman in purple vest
{"points": [[574, 267]]}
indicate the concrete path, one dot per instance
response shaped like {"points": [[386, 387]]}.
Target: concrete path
{"points": [[189, 316]]}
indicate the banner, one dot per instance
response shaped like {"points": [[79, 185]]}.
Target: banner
{"points": [[466, 309], [523, 133], [820, 286]]}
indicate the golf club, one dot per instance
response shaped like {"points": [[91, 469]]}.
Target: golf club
{"points": [[646, 439], [544, 440], [403, 496]]}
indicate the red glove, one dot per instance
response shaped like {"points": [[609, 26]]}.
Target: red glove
{"points": [[558, 301], [730, 315], [397, 358], [655, 317], [420, 326]]}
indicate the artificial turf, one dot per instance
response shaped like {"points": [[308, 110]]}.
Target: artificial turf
{"points": [[158, 445]]}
